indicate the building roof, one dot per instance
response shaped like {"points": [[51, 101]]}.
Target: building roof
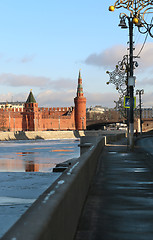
{"points": [[31, 98]]}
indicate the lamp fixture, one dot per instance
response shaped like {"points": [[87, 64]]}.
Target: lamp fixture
{"points": [[122, 23]]}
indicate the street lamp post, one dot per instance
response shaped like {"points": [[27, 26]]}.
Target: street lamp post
{"points": [[140, 92], [138, 9], [131, 84]]}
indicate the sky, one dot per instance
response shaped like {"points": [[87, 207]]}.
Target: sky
{"points": [[44, 44]]}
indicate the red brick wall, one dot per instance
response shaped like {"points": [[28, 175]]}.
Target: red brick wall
{"points": [[55, 121], [34, 119]]}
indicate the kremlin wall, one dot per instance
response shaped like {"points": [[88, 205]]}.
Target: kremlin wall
{"points": [[33, 118]]}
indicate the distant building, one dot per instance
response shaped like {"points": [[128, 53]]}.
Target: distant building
{"points": [[97, 109], [147, 112], [15, 105], [102, 113]]}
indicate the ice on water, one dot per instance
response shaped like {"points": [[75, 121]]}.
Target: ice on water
{"points": [[19, 188]]}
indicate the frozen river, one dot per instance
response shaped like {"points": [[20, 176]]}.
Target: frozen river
{"points": [[26, 172], [35, 155]]}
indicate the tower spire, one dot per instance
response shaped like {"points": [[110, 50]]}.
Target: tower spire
{"points": [[80, 88], [79, 73]]}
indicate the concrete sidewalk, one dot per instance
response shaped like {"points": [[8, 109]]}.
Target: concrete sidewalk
{"points": [[119, 205]]}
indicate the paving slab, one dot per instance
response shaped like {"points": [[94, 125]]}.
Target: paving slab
{"points": [[119, 205]]}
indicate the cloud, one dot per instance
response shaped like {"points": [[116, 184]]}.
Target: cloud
{"points": [[60, 98], [47, 98], [103, 99], [27, 59], [22, 80], [147, 99], [146, 56], [146, 81], [110, 56], [13, 97], [60, 92], [63, 83], [107, 58], [51, 98], [14, 80]]}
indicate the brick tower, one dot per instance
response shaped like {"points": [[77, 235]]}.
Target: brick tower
{"points": [[80, 107], [31, 109]]}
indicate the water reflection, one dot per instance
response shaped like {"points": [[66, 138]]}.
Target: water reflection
{"points": [[35, 156], [30, 166], [25, 153]]}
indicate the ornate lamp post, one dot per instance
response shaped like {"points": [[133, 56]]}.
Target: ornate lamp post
{"points": [[138, 9], [140, 92]]}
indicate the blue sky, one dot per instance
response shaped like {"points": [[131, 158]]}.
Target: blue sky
{"points": [[43, 44]]}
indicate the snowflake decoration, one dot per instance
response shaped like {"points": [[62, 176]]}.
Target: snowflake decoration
{"points": [[118, 78]]}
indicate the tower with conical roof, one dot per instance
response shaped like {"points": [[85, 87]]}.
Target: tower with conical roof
{"points": [[31, 109], [31, 98], [30, 104], [80, 106]]}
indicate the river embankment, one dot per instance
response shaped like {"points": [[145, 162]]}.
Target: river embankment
{"points": [[33, 135]]}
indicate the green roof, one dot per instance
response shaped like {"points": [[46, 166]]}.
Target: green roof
{"points": [[31, 98]]}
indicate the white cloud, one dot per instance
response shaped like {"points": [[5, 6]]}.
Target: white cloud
{"points": [[146, 81], [103, 99], [146, 57], [60, 92], [22, 80], [59, 98], [10, 96], [108, 58], [50, 98], [14, 80], [47, 98], [63, 83]]}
